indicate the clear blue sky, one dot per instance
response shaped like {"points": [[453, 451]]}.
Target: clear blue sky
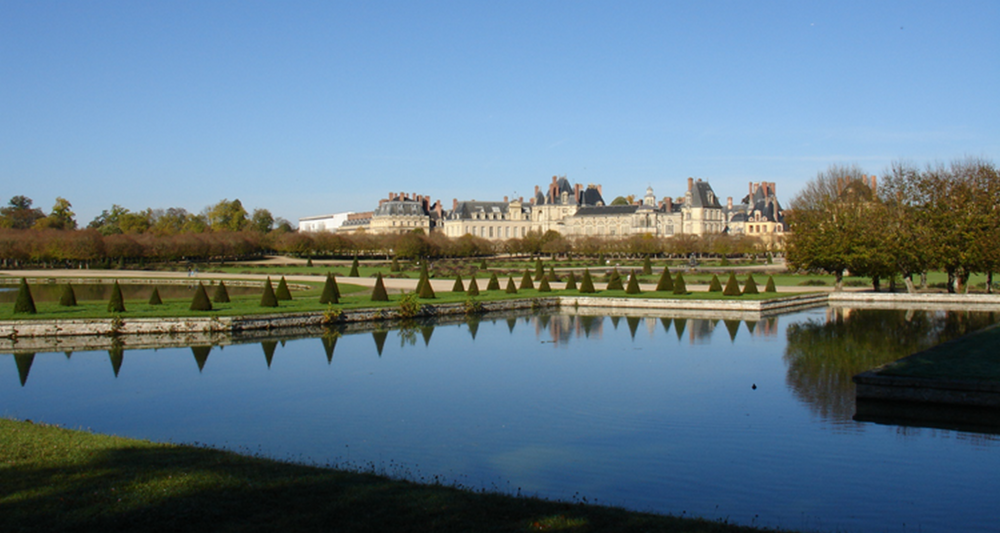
{"points": [[309, 108]]}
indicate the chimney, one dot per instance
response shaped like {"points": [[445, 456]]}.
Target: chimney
{"points": [[536, 190], [774, 189], [520, 199], [751, 188], [669, 204], [554, 179], [505, 200], [874, 186], [454, 204], [577, 192], [438, 209], [729, 202], [690, 184], [599, 191]]}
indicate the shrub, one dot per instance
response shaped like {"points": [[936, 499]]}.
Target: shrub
{"points": [[665, 283], [282, 292], [615, 281], [770, 283], [117, 303], [221, 294], [715, 285], [539, 269], [732, 286], [267, 298], [25, 303], [154, 299], [587, 284], [633, 284], [571, 282], [424, 288], [494, 283], [394, 267], [309, 263], [511, 289], [647, 266], [483, 266], [200, 302], [552, 274], [378, 292], [331, 293], [751, 286], [409, 306], [813, 283], [526, 282], [543, 286], [354, 269], [458, 287], [679, 286], [68, 296], [473, 289]]}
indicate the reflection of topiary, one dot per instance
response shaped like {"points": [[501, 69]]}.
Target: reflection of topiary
{"points": [[587, 285], [117, 303], [473, 289], [458, 287], [330, 294], [221, 295], [715, 285], [282, 292], [679, 286], [511, 289], [732, 286], [526, 282], [633, 284], [200, 302], [267, 298], [770, 284], [615, 281], [647, 266], [354, 269], [666, 283], [24, 303], [751, 286], [68, 296], [543, 286], [571, 282], [378, 292], [154, 299], [494, 283]]}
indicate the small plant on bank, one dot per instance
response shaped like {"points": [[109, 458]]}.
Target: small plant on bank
{"points": [[267, 298], [571, 282], [666, 283], [200, 302], [679, 286], [633, 284], [770, 283], [615, 281], [409, 305], [732, 286], [354, 269], [543, 286], [154, 299], [473, 307], [526, 282], [715, 285], [647, 266], [751, 286], [68, 296], [221, 294], [458, 287], [511, 289], [331, 293], [282, 292], [473, 289], [117, 303], [378, 292], [587, 284], [494, 283], [24, 303]]}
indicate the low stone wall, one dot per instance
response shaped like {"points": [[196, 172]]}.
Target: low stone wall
{"points": [[887, 300], [872, 386]]}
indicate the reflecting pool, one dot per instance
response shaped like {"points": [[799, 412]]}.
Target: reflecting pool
{"points": [[745, 419]]}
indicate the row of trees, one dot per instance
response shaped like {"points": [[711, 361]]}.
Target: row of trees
{"points": [[942, 217]]}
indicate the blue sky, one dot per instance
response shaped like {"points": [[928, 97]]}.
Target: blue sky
{"points": [[309, 108]]}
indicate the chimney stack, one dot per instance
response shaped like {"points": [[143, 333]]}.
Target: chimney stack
{"points": [[729, 202], [690, 184], [874, 186], [505, 200], [454, 204]]}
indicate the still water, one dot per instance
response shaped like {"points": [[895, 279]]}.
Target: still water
{"points": [[748, 421]]}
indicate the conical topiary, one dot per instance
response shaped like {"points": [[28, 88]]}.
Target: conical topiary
{"points": [[330, 294], [425, 289], [458, 287], [117, 303], [154, 299], [615, 281], [473, 289], [666, 283], [552, 274], [526, 282], [200, 302], [770, 285], [494, 283], [394, 267], [732, 286], [715, 285], [482, 265], [539, 269], [647, 266], [24, 303], [511, 289], [751, 286], [587, 284], [267, 298], [679, 286], [543, 286], [633, 284], [221, 294], [282, 292], [571, 282], [378, 292], [354, 269], [68, 296]]}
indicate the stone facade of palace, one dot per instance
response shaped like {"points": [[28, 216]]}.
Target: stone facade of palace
{"points": [[577, 210]]}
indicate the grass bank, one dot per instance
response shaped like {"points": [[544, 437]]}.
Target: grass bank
{"points": [[60, 480]]}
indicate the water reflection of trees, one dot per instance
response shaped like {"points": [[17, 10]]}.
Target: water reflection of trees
{"points": [[823, 355]]}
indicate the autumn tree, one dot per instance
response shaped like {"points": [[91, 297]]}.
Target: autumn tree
{"points": [[18, 214]]}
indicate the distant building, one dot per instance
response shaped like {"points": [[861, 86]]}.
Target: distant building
{"points": [[323, 222], [759, 214]]}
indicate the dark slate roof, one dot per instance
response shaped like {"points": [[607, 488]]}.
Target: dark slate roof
{"points": [[400, 208], [591, 196], [605, 210], [469, 209], [702, 195]]}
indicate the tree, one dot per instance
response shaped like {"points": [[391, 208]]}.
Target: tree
{"points": [[473, 289], [267, 297], [200, 301], [620, 200], [424, 288], [282, 292], [543, 286], [221, 294], [24, 302], [770, 285], [154, 299], [571, 282], [117, 303], [647, 266], [458, 286], [666, 283], [61, 217], [633, 284], [750, 287], [108, 221], [68, 296], [732, 286], [227, 216], [679, 286], [494, 283], [354, 269], [715, 285], [261, 221], [587, 284], [330, 294], [19, 214], [615, 281], [526, 282], [511, 288], [378, 291], [539, 269]]}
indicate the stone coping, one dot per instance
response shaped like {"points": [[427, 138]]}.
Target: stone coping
{"points": [[209, 282]]}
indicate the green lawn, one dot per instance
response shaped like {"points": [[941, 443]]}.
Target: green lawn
{"points": [[60, 480]]}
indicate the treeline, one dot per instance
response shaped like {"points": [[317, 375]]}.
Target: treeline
{"points": [[908, 222]]}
